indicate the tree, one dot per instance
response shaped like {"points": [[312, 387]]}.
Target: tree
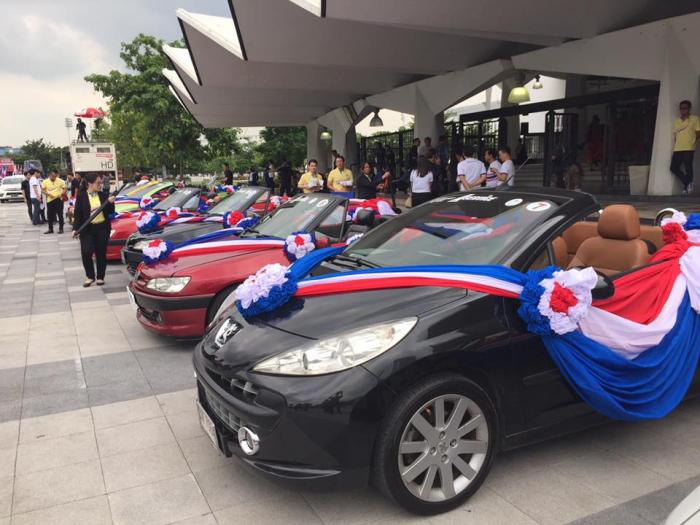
{"points": [[49, 155], [147, 124], [280, 144]]}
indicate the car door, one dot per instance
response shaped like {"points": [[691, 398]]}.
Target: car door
{"points": [[547, 398]]}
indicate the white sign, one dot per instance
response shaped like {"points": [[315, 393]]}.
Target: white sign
{"points": [[514, 202], [538, 206], [86, 156]]}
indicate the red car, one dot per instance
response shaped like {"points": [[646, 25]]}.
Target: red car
{"points": [[180, 296], [186, 199]]}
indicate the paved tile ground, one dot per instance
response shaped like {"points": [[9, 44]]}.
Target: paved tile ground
{"points": [[94, 432]]}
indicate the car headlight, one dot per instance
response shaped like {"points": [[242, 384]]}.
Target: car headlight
{"points": [[340, 352], [140, 245], [168, 284]]}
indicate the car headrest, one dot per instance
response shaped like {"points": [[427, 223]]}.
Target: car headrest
{"points": [[364, 217], [619, 221]]}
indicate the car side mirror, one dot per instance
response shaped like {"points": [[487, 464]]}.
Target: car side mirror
{"points": [[604, 288]]}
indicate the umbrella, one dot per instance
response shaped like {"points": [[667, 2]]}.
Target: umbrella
{"points": [[90, 113]]}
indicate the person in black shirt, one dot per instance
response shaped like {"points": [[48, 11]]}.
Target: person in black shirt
{"points": [[228, 175], [285, 173], [269, 178], [80, 126], [25, 193], [366, 184]]}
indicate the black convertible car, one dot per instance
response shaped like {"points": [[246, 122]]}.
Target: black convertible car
{"points": [[254, 199], [414, 389]]}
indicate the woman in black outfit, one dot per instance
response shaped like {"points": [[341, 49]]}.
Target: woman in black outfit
{"points": [[366, 183], [95, 236]]}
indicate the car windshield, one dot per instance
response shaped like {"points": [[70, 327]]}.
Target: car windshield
{"points": [[12, 180], [126, 188], [184, 198], [297, 215], [478, 228], [146, 189], [237, 201]]}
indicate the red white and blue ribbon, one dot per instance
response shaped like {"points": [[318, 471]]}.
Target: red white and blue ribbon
{"points": [[632, 356]]}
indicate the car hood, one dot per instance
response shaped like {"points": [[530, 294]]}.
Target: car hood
{"points": [[177, 233], [301, 321], [13, 187], [325, 315], [174, 265]]}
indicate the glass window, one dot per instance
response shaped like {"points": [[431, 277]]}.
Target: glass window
{"points": [[332, 225], [297, 215], [478, 228], [179, 199], [542, 260], [238, 201]]}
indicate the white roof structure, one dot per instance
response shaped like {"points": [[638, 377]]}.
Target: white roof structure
{"points": [[288, 62]]}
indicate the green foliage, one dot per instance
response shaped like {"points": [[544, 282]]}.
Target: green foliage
{"points": [[37, 149], [280, 144], [147, 124]]}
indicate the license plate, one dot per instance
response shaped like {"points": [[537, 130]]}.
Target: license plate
{"points": [[132, 299], [207, 425]]}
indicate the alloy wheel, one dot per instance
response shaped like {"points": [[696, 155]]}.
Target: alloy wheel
{"points": [[443, 447]]}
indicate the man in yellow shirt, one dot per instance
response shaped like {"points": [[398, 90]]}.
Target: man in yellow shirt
{"points": [[340, 179], [54, 189], [686, 131], [311, 181]]}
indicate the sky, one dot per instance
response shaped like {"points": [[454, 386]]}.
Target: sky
{"points": [[48, 46]]}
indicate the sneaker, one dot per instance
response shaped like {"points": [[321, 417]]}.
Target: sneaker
{"points": [[88, 283], [684, 192], [100, 282], [48, 231], [60, 230]]}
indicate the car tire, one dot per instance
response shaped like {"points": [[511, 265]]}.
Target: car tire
{"points": [[222, 299], [398, 455]]}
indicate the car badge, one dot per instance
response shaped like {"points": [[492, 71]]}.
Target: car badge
{"points": [[225, 332]]}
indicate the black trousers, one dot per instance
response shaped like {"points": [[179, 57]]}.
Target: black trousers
{"points": [[685, 159], [420, 198], [285, 187], [53, 208], [29, 209], [93, 240]]}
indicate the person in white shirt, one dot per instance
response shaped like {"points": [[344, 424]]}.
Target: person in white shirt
{"points": [[507, 174], [421, 182], [494, 168], [35, 197], [471, 172]]}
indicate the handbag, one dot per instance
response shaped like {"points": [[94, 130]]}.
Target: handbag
{"points": [[409, 201]]}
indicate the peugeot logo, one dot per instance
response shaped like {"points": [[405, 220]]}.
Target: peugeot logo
{"points": [[226, 331]]}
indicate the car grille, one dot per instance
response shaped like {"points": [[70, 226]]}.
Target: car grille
{"points": [[231, 421], [237, 387]]}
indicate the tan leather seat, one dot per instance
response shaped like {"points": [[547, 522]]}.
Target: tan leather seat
{"points": [[561, 255], [652, 234], [617, 247], [576, 234]]}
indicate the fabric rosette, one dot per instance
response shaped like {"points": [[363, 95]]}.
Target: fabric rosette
{"points": [[147, 203], [247, 223], [265, 291], [680, 227], [156, 251], [232, 218], [556, 300], [173, 213], [147, 221], [275, 202], [299, 244]]}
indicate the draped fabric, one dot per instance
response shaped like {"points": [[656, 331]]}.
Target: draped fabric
{"points": [[631, 357]]}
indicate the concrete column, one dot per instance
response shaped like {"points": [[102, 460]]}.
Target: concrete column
{"points": [[679, 81], [427, 123], [314, 144], [514, 121]]}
